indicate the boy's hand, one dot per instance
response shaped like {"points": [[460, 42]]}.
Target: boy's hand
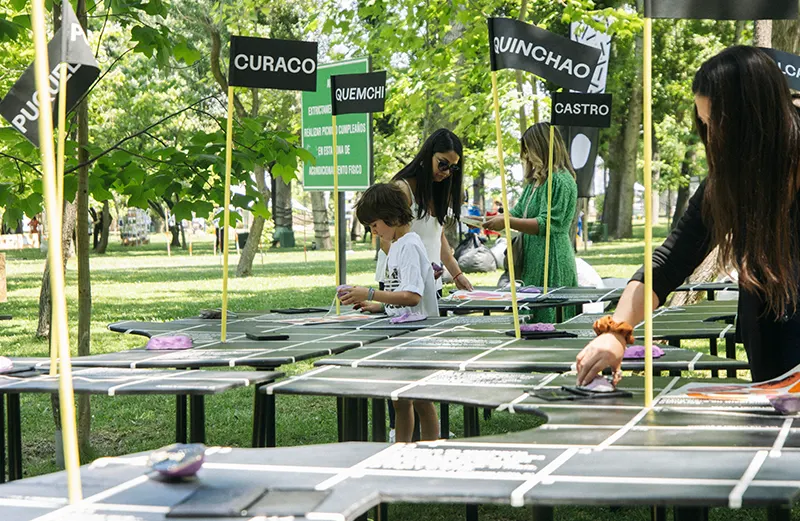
{"points": [[369, 307], [354, 295]]}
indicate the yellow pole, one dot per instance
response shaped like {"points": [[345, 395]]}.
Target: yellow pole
{"points": [[549, 208], [62, 137], [648, 211], [60, 333], [227, 210], [336, 211], [507, 209]]}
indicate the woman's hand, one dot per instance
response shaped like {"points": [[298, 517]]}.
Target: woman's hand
{"points": [[604, 351], [354, 295], [462, 282], [369, 307], [496, 223]]}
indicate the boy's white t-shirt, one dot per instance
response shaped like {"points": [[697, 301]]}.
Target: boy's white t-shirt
{"points": [[408, 269]]}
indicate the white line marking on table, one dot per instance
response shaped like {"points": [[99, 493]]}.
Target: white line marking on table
{"points": [[518, 495], [735, 497], [781, 439]]}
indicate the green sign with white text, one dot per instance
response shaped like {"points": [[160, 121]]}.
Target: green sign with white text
{"points": [[353, 135]]}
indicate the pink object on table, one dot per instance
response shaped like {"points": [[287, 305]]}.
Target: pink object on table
{"points": [[637, 352], [538, 327], [600, 384], [6, 365], [173, 342], [407, 317], [530, 289]]}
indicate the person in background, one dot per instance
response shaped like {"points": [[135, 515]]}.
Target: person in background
{"points": [[529, 214]]}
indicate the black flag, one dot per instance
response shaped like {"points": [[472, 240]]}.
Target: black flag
{"points": [[722, 9], [517, 45], [264, 63], [581, 110], [789, 65], [69, 45], [358, 93]]}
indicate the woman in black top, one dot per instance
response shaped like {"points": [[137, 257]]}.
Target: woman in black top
{"points": [[746, 206]]}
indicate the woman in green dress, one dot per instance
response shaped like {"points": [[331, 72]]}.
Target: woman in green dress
{"points": [[529, 215]]}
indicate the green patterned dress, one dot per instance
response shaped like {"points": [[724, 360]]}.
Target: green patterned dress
{"points": [[562, 257]]}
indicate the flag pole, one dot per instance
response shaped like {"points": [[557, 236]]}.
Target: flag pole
{"points": [[336, 211], [62, 136], [648, 202], [549, 210], [506, 214], [60, 334], [227, 212]]}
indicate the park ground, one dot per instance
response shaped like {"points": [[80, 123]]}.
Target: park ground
{"points": [[143, 283]]}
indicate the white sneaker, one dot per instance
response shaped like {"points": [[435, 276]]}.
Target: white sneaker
{"points": [[392, 436]]}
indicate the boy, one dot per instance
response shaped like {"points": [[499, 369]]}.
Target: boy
{"points": [[409, 283]]}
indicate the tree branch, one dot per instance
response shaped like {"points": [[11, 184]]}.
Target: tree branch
{"points": [[135, 135], [17, 159], [216, 70]]}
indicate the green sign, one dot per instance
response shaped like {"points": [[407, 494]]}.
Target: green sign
{"points": [[353, 135]]}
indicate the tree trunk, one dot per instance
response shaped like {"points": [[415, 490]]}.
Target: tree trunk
{"points": [[282, 213], [102, 246], [84, 278], [245, 266], [478, 191], [68, 227], [356, 230], [322, 230], [683, 190], [762, 35], [786, 35], [706, 272], [630, 148]]}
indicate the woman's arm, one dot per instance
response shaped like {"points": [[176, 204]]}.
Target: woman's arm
{"points": [[497, 223], [451, 264], [685, 248], [359, 294]]}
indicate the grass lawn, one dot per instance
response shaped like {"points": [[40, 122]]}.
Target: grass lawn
{"points": [[143, 283]]}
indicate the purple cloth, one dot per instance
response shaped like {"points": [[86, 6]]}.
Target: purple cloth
{"points": [[178, 460], [174, 342], [530, 289], [539, 327], [6, 365], [786, 403], [637, 352], [599, 385], [407, 317]]}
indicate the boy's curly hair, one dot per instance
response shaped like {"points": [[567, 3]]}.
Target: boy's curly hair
{"points": [[384, 201]]}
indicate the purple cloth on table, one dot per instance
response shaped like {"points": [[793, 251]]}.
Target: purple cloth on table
{"points": [[6, 365], [407, 317], [529, 289], [178, 460], [538, 327], [174, 342], [786, 403], [637, 352]]}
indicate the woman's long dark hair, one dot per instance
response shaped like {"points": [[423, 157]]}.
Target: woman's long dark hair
{"points": [[752, 147], [444, 195]]}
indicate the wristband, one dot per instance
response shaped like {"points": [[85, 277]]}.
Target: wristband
{"points": [[608, 325], [457, 275], [371, 293]]}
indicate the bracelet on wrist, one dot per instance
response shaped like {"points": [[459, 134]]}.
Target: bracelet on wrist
{"points": [[370, 293], [457, 275], [608, 325]]}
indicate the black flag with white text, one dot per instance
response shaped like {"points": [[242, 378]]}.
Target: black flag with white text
{"points": [[69, 45], [722, 9], [581, 110], [789, 64], [264, 63], [358, 93], [517, 45]]}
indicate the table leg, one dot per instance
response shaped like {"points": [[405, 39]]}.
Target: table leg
{"points": [[690, 514], [2, 439], [713, 350], [14, 438], [180, 418], [472, 512], [730, 352], [378, 423], [659, 514], [258, 418], [779, 513], [712, 295], [540, 513], [197, 419], [444, 420], [340, 417], [471, 424], [559, 314], [269, 422]]}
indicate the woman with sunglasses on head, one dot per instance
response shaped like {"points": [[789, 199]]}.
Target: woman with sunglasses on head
{"points": [[529, 215], [432, 182], [748, 206]]}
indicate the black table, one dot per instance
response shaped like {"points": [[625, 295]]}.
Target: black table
{"points": [[118, 382], [591, 453]]}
